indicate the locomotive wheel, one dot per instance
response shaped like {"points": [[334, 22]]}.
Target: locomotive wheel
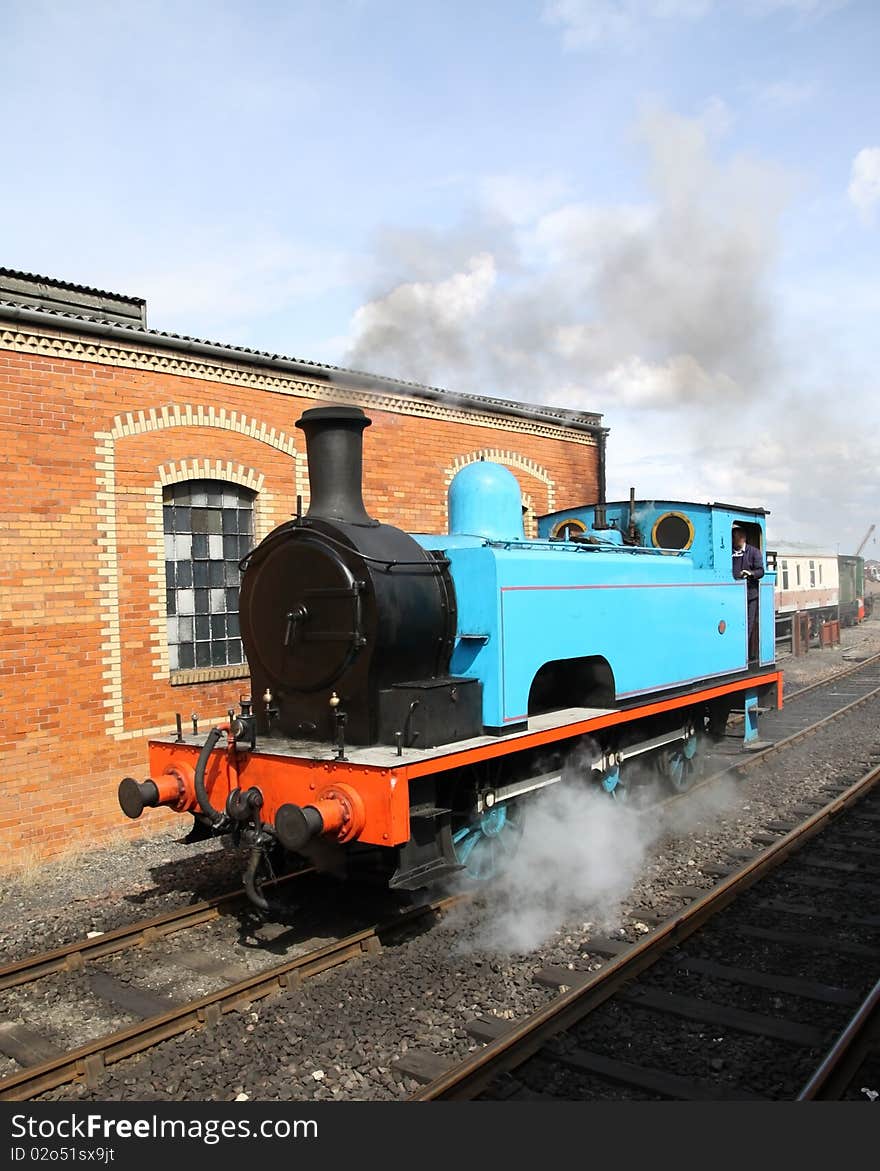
{"points": [[485, 844], [680, 764], [614, 782]]}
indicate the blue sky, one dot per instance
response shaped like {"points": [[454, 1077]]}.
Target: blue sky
{"points": [[664, 210]]}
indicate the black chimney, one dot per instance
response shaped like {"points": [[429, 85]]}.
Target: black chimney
{"points": [[335, 452]]}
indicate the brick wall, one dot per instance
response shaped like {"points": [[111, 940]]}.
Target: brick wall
{"points": [[90, 434]]}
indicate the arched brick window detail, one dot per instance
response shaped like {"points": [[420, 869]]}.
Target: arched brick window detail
{"points": [[208, 527]]}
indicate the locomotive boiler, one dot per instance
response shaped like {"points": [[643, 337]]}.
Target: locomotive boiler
{"points": [[411, 693]]}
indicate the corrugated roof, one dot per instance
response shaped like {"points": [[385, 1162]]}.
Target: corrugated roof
{"points": [[49, 280]]}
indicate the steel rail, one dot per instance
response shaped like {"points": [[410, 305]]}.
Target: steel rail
{"points": [[843, 1059], [465, 1080], [88, 1061], [873, 660], [73, 956]]}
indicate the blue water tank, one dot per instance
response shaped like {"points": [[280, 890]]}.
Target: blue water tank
{"points": [[485, 500]]}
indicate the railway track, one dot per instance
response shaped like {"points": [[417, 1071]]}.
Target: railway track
{"points": [[805, 712], [838, 677], [74, 956], [87, 1062], [46, 1067], [763, 987]]}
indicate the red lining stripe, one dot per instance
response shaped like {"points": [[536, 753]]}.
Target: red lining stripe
{"points": [[677, 585]]}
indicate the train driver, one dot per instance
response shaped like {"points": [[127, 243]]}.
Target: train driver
{"points": [[748, 564]]}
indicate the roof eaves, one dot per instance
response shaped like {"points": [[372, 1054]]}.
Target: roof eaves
{"points": [[581, 419]]}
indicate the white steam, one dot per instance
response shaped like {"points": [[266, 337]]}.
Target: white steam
{"points": [[581, 854]]}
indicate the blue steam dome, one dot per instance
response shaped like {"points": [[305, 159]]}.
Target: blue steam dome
{"points": [[485, 501]]}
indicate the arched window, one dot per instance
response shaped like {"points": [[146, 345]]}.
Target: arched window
{"points": [[209, 527]]}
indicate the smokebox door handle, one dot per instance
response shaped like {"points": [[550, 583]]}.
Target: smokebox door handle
{"points": [[294, 618]]}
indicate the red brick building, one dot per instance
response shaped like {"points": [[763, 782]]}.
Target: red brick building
{"points": [[138, 466]]}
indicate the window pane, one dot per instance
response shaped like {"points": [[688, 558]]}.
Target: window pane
{"points": [[218, 626], [215, 547], [233, 573], [185, 629], [183, 547], [234, 651], [200, 547], [231, 624], [185, 601], [200, 520], [168, 518], [203, 654], [169, 575], [173, 658], [218, 601], [172, 630], [232, 599], [203, 626], [200, 573], [218, 654], [230, 548], [215, 573], [186, 655], [215, 521], [184, 575], [201, 602], [171, 601]]}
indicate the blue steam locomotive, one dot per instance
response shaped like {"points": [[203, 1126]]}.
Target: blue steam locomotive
{"points": [[412, 692]]}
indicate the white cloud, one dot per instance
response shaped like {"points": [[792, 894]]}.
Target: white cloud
{"points": [[586, 23], [864, 184], [520, 198], [803, 8], [214, 276], [784, 95]]}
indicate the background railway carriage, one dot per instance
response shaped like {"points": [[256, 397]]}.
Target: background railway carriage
{"points": [[410, 693], [807, 579]]}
